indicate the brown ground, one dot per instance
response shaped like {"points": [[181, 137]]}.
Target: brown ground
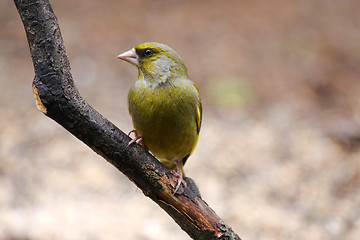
{"points": [[278, 155]]}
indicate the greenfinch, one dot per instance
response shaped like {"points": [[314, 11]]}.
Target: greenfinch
{"points": [[165, 105]]}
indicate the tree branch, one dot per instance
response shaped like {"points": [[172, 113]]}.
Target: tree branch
{"points": [[58, 98]]}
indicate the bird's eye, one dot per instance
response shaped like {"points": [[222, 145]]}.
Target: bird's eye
{"points": [[148, 52]]}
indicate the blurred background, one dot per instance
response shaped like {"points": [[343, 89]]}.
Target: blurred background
{"points": [[278, 155]]}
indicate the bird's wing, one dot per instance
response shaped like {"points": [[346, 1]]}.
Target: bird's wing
{"points": [[198, 116]]}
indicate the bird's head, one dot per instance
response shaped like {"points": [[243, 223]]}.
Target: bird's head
{"points": [[156, 62]]}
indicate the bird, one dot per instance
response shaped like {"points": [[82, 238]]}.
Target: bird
{"points": [[164, 105]]}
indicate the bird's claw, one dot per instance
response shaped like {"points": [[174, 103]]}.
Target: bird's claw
{"points": [[180, 178], [137, 139]]}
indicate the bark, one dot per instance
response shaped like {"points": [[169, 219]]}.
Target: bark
{"points": [[58, 98]]}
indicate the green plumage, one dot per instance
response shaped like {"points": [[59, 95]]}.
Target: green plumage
{"points": [[166, 117], [164, 103]]}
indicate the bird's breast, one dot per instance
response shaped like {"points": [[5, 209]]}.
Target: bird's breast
{"points": [[164, 117]]}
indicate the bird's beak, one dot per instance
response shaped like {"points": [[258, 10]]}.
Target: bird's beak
{"points": [[130, 57]]}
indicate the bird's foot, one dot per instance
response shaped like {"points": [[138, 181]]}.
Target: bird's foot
{"points": [[137, 139], [180, 178]]}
